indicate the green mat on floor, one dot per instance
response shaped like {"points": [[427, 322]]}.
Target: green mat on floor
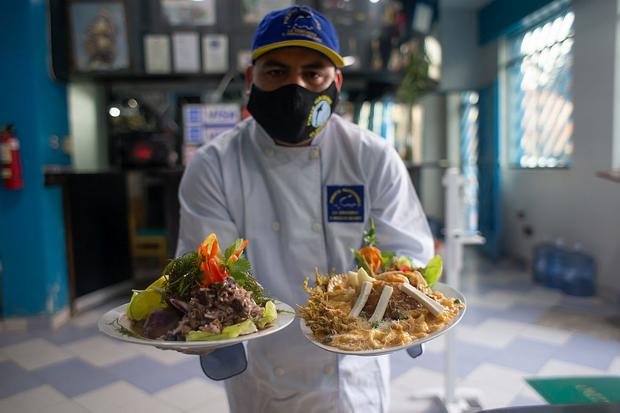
{"points": [[572, 390]]}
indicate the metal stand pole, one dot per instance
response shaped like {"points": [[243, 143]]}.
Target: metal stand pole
{"points": [[456, 238]]}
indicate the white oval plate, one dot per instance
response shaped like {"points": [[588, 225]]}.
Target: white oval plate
{"points": [[442, 288], [115, 324]]}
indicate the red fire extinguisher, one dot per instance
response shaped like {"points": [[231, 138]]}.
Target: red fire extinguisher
{"points": [[9, 156]]}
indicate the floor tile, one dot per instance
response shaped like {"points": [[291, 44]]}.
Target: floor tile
{"points": [[489, 396], [87, 319], [430, 361], [401, 362], [191, 394], [66, 407], [614, 367], [167, 357], [417, 380], [32, 401], [70, 333], [111, 397], [486, 336], [529, 393], [75, 377], [498, 377], [36, 353], [14, 379], [437, 345], [152, 405], [412, 404], [520, 400], [544, 334], [101, 351], [582, 322], [589, 351], [469, 356], [218, 404], [499, 300], [559, 368], [541, 296], [527, 313], [150, 375], [475, 315], [524, 354]]}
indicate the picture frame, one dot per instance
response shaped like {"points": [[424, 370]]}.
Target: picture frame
{"points": [[189, 13], [99, 36], [254, 10], [157, 54]]}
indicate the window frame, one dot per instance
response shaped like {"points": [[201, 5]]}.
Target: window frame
{"points": [[505, 63]]}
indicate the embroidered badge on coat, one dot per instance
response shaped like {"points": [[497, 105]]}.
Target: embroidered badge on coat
{"points": [[345, 203]]}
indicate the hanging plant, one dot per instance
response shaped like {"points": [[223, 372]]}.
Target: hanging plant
{"points": [[417, 81]]}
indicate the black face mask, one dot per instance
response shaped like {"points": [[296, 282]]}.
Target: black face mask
{"points": [[292, 113]]}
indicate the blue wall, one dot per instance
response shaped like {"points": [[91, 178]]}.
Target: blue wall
{"points": [[32, 239]]}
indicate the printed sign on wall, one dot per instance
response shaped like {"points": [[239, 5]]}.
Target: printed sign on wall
{"points": [[203, 122]]}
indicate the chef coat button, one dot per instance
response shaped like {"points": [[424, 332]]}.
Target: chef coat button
{"points": [[314, 154], [275, 226], [269, 152], [278, 371], [328, 370], [316, 227]]}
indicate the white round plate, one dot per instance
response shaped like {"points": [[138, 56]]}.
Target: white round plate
{"points": [[115, 324], [442, 288]]}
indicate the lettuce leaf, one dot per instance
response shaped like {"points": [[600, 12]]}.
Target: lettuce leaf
{"points": [[269, 314], [233, 331], [433, 270]]}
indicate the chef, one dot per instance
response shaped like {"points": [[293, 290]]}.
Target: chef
{"points": [[301, 184]]}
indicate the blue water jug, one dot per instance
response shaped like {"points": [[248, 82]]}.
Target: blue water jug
{"points": [[541, 260], [579, 276], [556, 261]]}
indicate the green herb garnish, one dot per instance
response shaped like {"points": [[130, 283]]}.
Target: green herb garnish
{"points": [[370, 236], [183, 274]]}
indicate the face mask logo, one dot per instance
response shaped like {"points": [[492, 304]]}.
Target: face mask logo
{"points": [[321, 111]]}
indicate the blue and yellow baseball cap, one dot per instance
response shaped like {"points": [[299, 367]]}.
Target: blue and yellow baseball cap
{"points": [[299, 26]]}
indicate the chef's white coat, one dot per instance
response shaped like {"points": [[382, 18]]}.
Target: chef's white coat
{"points": [[243, 185]]}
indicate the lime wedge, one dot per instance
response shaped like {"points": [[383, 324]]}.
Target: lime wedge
{"points": [[158, 283], [143, 303]]}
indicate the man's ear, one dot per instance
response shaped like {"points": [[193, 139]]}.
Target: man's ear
{"points": [[338, 79], [249, 77]]}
